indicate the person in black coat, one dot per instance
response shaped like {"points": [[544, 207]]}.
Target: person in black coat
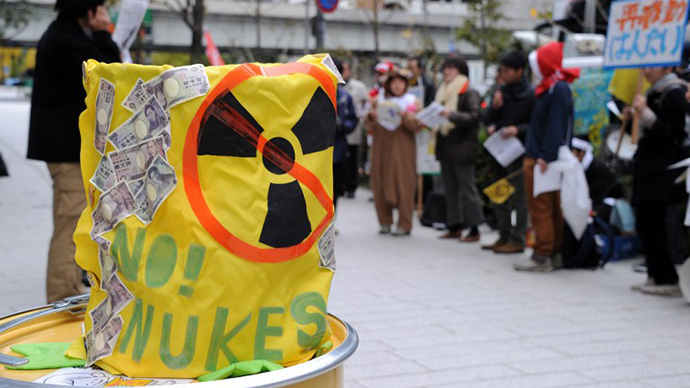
{"points": [[662, 125], [79, 33], [511, 111]]}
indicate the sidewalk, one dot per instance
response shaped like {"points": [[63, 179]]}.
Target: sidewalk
{"points": [[429, 313]]}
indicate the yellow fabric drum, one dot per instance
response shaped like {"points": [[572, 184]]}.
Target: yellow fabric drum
{"points": [[208, 233]]}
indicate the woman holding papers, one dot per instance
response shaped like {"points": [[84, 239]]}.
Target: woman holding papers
{"points": [[393, 157], [456, 149]]}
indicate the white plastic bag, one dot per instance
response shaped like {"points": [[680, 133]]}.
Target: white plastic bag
{"points": [[575, 201]]}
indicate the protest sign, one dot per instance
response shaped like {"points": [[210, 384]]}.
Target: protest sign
{"points": [[643, 33], [426, 153]]}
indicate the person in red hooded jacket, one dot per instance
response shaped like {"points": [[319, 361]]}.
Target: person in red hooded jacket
{"points": [[551, 128]]}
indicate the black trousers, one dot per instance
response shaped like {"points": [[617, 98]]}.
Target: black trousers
{"points": [[352, 168], [651, 228], [338, 182]]}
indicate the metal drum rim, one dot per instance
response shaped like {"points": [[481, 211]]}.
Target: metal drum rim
{"points": [[279, 378]]}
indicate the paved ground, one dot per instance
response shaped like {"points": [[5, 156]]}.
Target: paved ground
{"points": [[430, 313]]}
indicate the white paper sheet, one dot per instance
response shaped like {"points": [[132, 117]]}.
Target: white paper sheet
{"points": [[548, 181], [431, 115], [505, 151], [128, 22], [682, 163], [611, 105], [94, 377]]}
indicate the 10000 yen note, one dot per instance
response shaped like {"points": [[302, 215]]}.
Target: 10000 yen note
{"points": [[159, 182], [118, 293], [117, 298], [136, 98], [146, 123], [113, 206], [108, 266], [131, 163], [105, 101], [154, 88], [184, 83], [104, 177], [101, 344]]}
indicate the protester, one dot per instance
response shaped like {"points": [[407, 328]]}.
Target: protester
{"points": [[360, 99], [380, 72], [603, 184], [393, 165], [510, 112], [420, 86], [662, 119], [79, 33], [604, 190], [346, 122], [457, 148], [551, 128]]}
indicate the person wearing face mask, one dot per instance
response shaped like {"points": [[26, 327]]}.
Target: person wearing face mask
{"points": [[393, 125], [79, 33], [457, 147], [551, 127], [662, 127]]}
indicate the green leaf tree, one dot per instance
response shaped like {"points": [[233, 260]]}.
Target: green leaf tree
{"points": [[481, 29]]}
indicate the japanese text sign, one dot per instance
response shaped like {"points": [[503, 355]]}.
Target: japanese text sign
{"points": [[645, 33]]}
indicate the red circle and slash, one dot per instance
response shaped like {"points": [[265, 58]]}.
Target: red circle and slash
{"points": [[234, 120]]}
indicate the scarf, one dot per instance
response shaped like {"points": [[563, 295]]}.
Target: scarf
{"points": [[448, 95]]}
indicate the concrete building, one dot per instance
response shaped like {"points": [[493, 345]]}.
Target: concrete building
{"points": [[283, 28]]}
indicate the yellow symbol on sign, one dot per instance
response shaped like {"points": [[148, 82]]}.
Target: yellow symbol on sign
{"points": [[499, 191]]}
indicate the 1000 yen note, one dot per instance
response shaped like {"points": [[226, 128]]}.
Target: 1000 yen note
{"points": [[131, 163], [118, 294], [146, 123], [184, 83], [104, 177], [136, 98], [135, 186], [160, 181], [113, 206], [105, 101]]}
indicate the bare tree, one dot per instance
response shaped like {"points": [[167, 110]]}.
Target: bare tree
{"points": [[14, 16], [192, 14], [374, 20]]}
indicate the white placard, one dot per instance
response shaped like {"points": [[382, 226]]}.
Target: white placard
{"points": [[643, 33]]}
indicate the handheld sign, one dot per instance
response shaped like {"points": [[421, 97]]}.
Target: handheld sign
{"points": [[644, 33]]}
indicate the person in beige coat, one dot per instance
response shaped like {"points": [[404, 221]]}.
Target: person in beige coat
{"points": [[392, 122]]}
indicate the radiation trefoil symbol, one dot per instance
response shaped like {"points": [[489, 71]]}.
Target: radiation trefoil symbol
{"points": [[223, 127]]}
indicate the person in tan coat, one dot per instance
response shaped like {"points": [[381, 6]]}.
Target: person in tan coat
{"points": [[392, 122]]}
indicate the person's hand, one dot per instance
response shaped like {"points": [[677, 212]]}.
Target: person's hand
{"points": [[99, 20], [543, 165], [373, 115], [509, 132], [491, 129], [498, 100], [627, 113], [687, 95], [445, 113], [640, 103]]}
